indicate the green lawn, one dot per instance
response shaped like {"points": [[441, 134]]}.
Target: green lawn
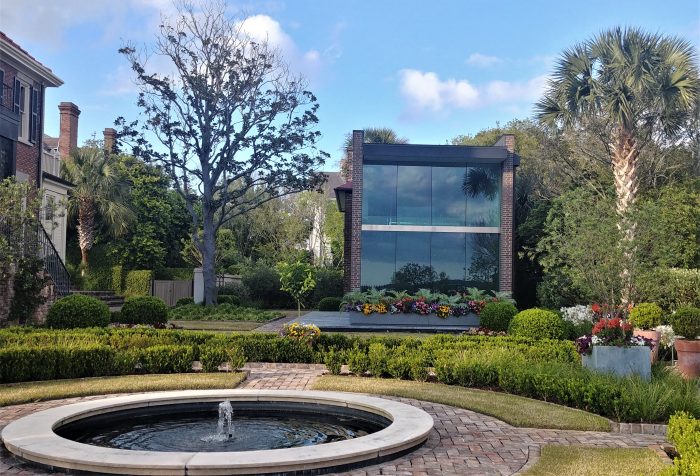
{"points": [[226, 326], [518, 411], [577, 461], [15, 393]]}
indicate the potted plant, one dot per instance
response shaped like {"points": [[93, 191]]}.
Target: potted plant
{"points": [[646, 317], [686, 322], [613, 348]]}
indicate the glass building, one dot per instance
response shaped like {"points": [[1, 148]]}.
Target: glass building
{"points": [[437, 217]]}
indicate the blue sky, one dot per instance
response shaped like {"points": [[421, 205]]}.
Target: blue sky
{"points": [[429, 69]]}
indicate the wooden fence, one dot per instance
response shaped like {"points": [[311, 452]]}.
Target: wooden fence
{"points": [[172, 290]]}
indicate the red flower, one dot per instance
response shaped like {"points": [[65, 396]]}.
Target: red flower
{"points": [[595, 308]]}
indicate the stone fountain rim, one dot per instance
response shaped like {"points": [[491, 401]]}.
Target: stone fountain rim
{"points": [[32, 437]]}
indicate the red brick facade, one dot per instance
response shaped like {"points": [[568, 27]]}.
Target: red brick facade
{"points": [[355, 212], [507, 225]]}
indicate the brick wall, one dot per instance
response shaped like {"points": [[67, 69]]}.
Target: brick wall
{"points": [[507, 204], [358, 139], [347, 244]]}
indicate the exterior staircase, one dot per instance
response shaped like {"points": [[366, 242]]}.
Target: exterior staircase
{"points": [[113, 301]]}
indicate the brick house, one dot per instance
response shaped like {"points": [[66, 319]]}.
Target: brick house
{"points": [[427, 216], [30, 156]]}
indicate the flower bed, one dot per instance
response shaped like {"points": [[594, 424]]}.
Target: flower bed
{"points": [[423, 303]]}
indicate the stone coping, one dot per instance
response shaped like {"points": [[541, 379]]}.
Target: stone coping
{"points": [[32, 437]]}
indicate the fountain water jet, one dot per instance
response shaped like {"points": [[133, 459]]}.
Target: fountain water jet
{"points": [[225, 416]]}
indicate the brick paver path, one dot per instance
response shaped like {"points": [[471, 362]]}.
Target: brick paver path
{"points": [[462, 442]]}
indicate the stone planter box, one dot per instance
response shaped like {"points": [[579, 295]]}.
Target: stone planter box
{"points": [[621, 361], [416, 321]]}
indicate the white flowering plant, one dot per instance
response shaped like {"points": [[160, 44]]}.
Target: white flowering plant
{"points": [[666, 335], [577, 315]]}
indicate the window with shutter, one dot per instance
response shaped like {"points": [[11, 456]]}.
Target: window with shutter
{"points": [[17, 95], [34, 118]]}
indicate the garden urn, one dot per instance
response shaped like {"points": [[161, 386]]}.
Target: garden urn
{"points": [[655, 337], [688, 357]]}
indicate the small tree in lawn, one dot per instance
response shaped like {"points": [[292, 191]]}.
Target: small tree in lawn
{"points": [[298, 280], [231, 125]]}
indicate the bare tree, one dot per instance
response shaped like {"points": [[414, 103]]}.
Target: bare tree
{"points": [[231, 125]]}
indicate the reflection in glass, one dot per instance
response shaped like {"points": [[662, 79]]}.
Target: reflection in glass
{"points": [[379, 194], [482, 260], [413, 195], [378, 258], [5, 156], [413, 269], [482, 185], [449, 202], [447, 257]]}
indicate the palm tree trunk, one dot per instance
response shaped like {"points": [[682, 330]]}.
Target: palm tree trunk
{"points": [[86, 228], [625, 157]]}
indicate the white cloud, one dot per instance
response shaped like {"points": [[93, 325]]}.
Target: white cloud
{"points": [[483, 61], [425, 92]]}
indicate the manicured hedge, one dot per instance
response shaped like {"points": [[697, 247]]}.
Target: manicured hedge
{"points": [[537, 324], [138, 282], [77, 310], [684, 433], [144, 310], [329, 304], [496, 316]]}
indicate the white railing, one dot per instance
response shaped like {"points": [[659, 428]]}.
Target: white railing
{"points": [[51, 164]]}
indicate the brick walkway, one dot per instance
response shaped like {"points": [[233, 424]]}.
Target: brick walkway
{"points": [[462, 443]]}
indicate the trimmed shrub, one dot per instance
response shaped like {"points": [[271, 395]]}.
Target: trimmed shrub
{"points": [[684, 433], [77, 310], [496, 316], [184, 301], [358, 362], [329, 283], [117, 279], [138, 282], [148, 310], [686, 322], [238, 290], [377, 357], [166, 359], [213, 357], [225, 299], [334, 361], [537, 324], [21, 364], [329, 304], [646, 315]]}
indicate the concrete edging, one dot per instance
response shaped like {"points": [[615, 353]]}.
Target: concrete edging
{"points": [[32, 437]]}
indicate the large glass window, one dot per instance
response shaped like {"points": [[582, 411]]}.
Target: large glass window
{"points": [[5, 157], [447, 257], [378, 259], [413, 268], [413, 195], [379, 194], [449, 203], [482, 260], [482, 185]]}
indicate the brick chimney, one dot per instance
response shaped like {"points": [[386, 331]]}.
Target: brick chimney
{"points": [[507, 141], [68, 136], [110, 137]]}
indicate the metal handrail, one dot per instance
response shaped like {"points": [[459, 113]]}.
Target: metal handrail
{"points": [[53, 264], [39, 244]]}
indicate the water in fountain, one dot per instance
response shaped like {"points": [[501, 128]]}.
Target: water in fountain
{"points": [[224, 428]]}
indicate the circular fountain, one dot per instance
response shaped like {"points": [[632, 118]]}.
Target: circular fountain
{"points": [[219, 432]]}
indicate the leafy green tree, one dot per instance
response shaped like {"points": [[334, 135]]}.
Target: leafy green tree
{"points": [[99, 195], [632, 86], [161, 221], [233, 127], [20, 282], [297, 279]]}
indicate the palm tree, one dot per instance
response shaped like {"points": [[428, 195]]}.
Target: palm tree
{"points": [[640, 86], [98, 191], [373, 135]]}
